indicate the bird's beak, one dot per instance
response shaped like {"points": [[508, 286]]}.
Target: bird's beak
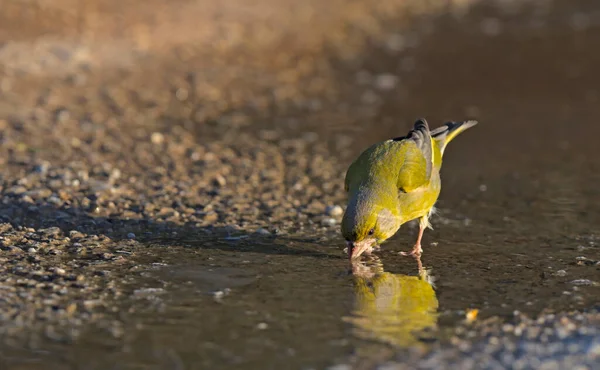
{"points": [[355, 249]]}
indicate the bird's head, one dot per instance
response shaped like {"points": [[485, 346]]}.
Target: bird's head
{"points": [[366, 224]]}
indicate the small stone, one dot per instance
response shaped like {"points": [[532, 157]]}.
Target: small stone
{"points": [[491, 26], [220, 180], [181, 94], [578, 282], [219, 294], [363, 78], [157, 138], [71, 309], [369, 97], [167, 212], [395, 42], [42, 168], [263, 231], [50, 231], [580, 21], [262, 326], [62, 115], [145, 292], [17, 190], [74, 234], [386, 81], [130, 236], [55, 200], [115, 174], [210, 217], [329, 221], [39, 193], [507, 328], [92, 303], [27, 199], [334, 211], [560, 273]]}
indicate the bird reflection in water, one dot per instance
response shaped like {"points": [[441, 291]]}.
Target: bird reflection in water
{"points": [[392, 308]]}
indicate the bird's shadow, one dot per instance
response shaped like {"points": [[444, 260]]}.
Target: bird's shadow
{"points": [[159, 233]]}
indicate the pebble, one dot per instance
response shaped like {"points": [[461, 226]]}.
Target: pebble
{"points": [[386, 81], [328, 221], [144, 292], [263, 231], [42, 168], [491, 26], [220, 180], [334, 211], [157, 138], [55, 200], [581, 282], [262, 326], [219, 294], [395, 43]]}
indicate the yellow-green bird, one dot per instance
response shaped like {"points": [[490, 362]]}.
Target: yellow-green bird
{"points": [[393, 182]]}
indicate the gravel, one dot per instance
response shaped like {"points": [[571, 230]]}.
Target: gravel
{"points": [[554, 341]]}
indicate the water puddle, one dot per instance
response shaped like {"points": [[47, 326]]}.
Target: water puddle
{"points": [[391, 308]]}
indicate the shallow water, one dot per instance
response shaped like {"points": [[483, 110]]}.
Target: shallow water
{"points": [[518, 218]]}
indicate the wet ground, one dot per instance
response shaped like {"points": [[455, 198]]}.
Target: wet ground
{"points": [[171, 204]]}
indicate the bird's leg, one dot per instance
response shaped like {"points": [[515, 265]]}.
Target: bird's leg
{"points": [[417, 250]]}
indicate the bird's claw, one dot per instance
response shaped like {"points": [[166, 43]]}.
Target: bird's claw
{"points": [[415, 252]]}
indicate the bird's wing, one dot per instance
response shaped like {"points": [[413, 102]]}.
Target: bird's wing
{"points": [[406, 159], [347, 179], [416, 150]]}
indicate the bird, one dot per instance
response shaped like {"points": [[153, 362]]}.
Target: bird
{"points": [[393, 182]]}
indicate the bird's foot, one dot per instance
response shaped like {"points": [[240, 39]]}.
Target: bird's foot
{"points": [[415, 252]]}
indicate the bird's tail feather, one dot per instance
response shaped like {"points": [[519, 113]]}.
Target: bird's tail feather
{"points": [[445, 133]]}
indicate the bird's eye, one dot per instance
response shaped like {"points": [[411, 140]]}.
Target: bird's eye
{"points": [[372, 231]]}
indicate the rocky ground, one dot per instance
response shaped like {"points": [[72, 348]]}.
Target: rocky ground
{"points": [[118, 133], [549, 342]]}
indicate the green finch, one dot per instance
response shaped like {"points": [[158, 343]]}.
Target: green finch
{"points": [[393, 182]]}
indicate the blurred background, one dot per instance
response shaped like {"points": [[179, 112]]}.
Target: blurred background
{"points": [[286, 67], [204, 123]]}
